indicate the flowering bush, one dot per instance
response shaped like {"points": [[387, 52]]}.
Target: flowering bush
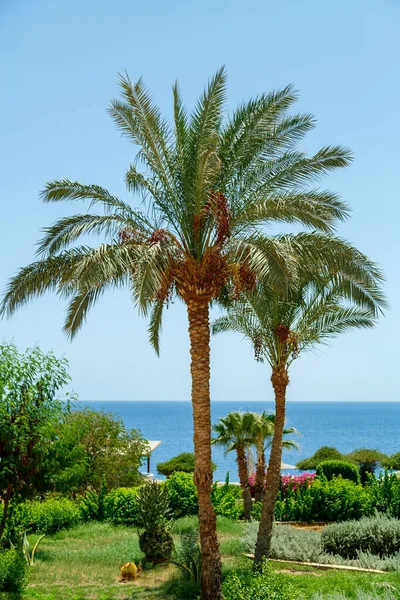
{"points": [[296, 482], [288, 482]]}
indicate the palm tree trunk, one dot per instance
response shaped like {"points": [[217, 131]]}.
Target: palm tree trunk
{"points": [[260, 475], [199, 333], [244, 482], [280, 380]]}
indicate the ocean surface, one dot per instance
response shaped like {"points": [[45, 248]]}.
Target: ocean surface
{"points": [[345, 425]]}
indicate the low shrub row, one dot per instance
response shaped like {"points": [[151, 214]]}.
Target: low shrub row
{"points": [[304, 498], [46, 517], [379, 535]]}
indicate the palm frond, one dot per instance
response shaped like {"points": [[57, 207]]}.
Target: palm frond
{"points": [[316, 209], [65, 189], [155, 325], [69, 229]]}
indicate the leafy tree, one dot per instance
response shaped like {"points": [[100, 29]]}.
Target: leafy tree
{"points": [[264, 428], [209, 182], [393, 461], [367, 460], [321, 455], [95, 444], [282, 326], [182, 463], [235, 433], [30, 413]]}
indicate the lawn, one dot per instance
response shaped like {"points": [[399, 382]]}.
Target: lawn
{"points": [[82, 563]]}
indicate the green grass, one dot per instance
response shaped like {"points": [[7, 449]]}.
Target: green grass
{"points": [[83, 564]]}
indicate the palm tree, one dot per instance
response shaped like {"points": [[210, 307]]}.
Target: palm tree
{"points": [[235, 432], [207, 182], [263, 435], [280, 328]]}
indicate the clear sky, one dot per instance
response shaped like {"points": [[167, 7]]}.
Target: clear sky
{"points": [[58, 67]]}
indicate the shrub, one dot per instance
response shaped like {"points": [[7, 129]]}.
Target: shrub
{"points": [[93, 504], [295, 482], [259, 586], [182, 494], [183, 463], [379, 535], [393, 461], [385, 493], [226, 500], [287, 481], [336, 500], [334, 468], [322, 454], [256, 512], [120, 506], [48, 516], [13, 571]]}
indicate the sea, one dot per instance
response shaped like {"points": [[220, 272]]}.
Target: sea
{"points": [[344, 425]]}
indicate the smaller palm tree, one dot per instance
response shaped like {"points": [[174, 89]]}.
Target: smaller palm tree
{"points": [[264, 428], [283, 326], [235, 432]]}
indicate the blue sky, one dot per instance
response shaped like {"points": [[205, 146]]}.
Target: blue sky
{"points": [[58, 73]]}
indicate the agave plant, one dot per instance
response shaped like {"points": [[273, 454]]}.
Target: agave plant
{"points": [[29, 553], [153, 515]]}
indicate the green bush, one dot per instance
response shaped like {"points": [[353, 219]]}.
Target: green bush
{"points": [[334, 468], [182, 463], [393, 461], [227, 501], [336, 500], [47, 516], [182, 494], [264, 585], [256, 512], [385, 493], [93, 504], [120, 506], [322, 454], [379, 535], [13, 571]]}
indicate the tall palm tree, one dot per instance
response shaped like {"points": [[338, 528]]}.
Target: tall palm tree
{"points": [[264, 428], [280, 328], [208, 182], [235, 433]]}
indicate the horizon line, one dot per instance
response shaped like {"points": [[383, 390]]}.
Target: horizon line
{"points": [[265, 401]]}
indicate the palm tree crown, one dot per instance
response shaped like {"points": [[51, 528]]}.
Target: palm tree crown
{"points": [[310, 312], [207, 183], [264, 428], [234, 431]]}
